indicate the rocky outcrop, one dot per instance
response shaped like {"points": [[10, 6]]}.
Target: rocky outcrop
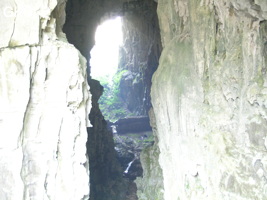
{"points": [[43, 105], [209, 97]]}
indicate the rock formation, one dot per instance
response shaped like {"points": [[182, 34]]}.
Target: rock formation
{"points": [[139, 55], [43, 105], [209, 97], [150, 186]]}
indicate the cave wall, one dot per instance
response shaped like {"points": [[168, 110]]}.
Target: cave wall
{"points": [[209, 96], [150, 185], [139, 53], [44, 103]]}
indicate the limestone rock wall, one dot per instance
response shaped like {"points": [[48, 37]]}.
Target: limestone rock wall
{"points": [[43, 105], [209, 97], [139, 56], [150, 185]]}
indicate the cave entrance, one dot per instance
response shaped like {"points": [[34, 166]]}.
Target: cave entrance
{"points": [[138, 60], [129, 124], [104, 67]]}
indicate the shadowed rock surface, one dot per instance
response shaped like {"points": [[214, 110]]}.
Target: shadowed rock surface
{"points": [[106, 173], [132, 124]]}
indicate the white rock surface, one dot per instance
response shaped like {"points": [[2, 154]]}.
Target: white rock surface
{"points": [[22, 20], [209, 97], [43, 107]]}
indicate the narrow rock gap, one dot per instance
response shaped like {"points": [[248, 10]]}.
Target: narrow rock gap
{"points": [[114, 162]]}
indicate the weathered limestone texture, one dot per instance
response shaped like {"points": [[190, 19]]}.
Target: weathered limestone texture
{"points": [[139, 56], [43, 105], [210, 99], [150, 186]]}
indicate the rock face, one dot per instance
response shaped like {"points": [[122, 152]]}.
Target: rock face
{"points": [[150, 185], [209, 97], [139, 55], [43, 105]]}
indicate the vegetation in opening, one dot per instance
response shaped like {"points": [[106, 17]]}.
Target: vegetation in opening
{"points": [[110, 102], [104, 65]]}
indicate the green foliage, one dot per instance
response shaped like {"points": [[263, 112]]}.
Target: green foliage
{"points": [[110, 103]]}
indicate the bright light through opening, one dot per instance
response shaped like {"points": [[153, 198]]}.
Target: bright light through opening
{"points": [[105, 53]]}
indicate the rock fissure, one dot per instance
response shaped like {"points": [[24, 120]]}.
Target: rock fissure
{"points": [[22, 135], [23, 181], [14, 25], [58, 142]]}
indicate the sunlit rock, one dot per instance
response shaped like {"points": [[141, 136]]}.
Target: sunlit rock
{"points": [[43, 108], [21, 22], [209, 97]]}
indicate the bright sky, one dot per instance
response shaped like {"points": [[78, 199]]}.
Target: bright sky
{"points": [[105, 53]]}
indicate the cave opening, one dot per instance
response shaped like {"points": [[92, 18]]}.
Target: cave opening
{"points": [[104, 61], [131, 131], [117, 135]]}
